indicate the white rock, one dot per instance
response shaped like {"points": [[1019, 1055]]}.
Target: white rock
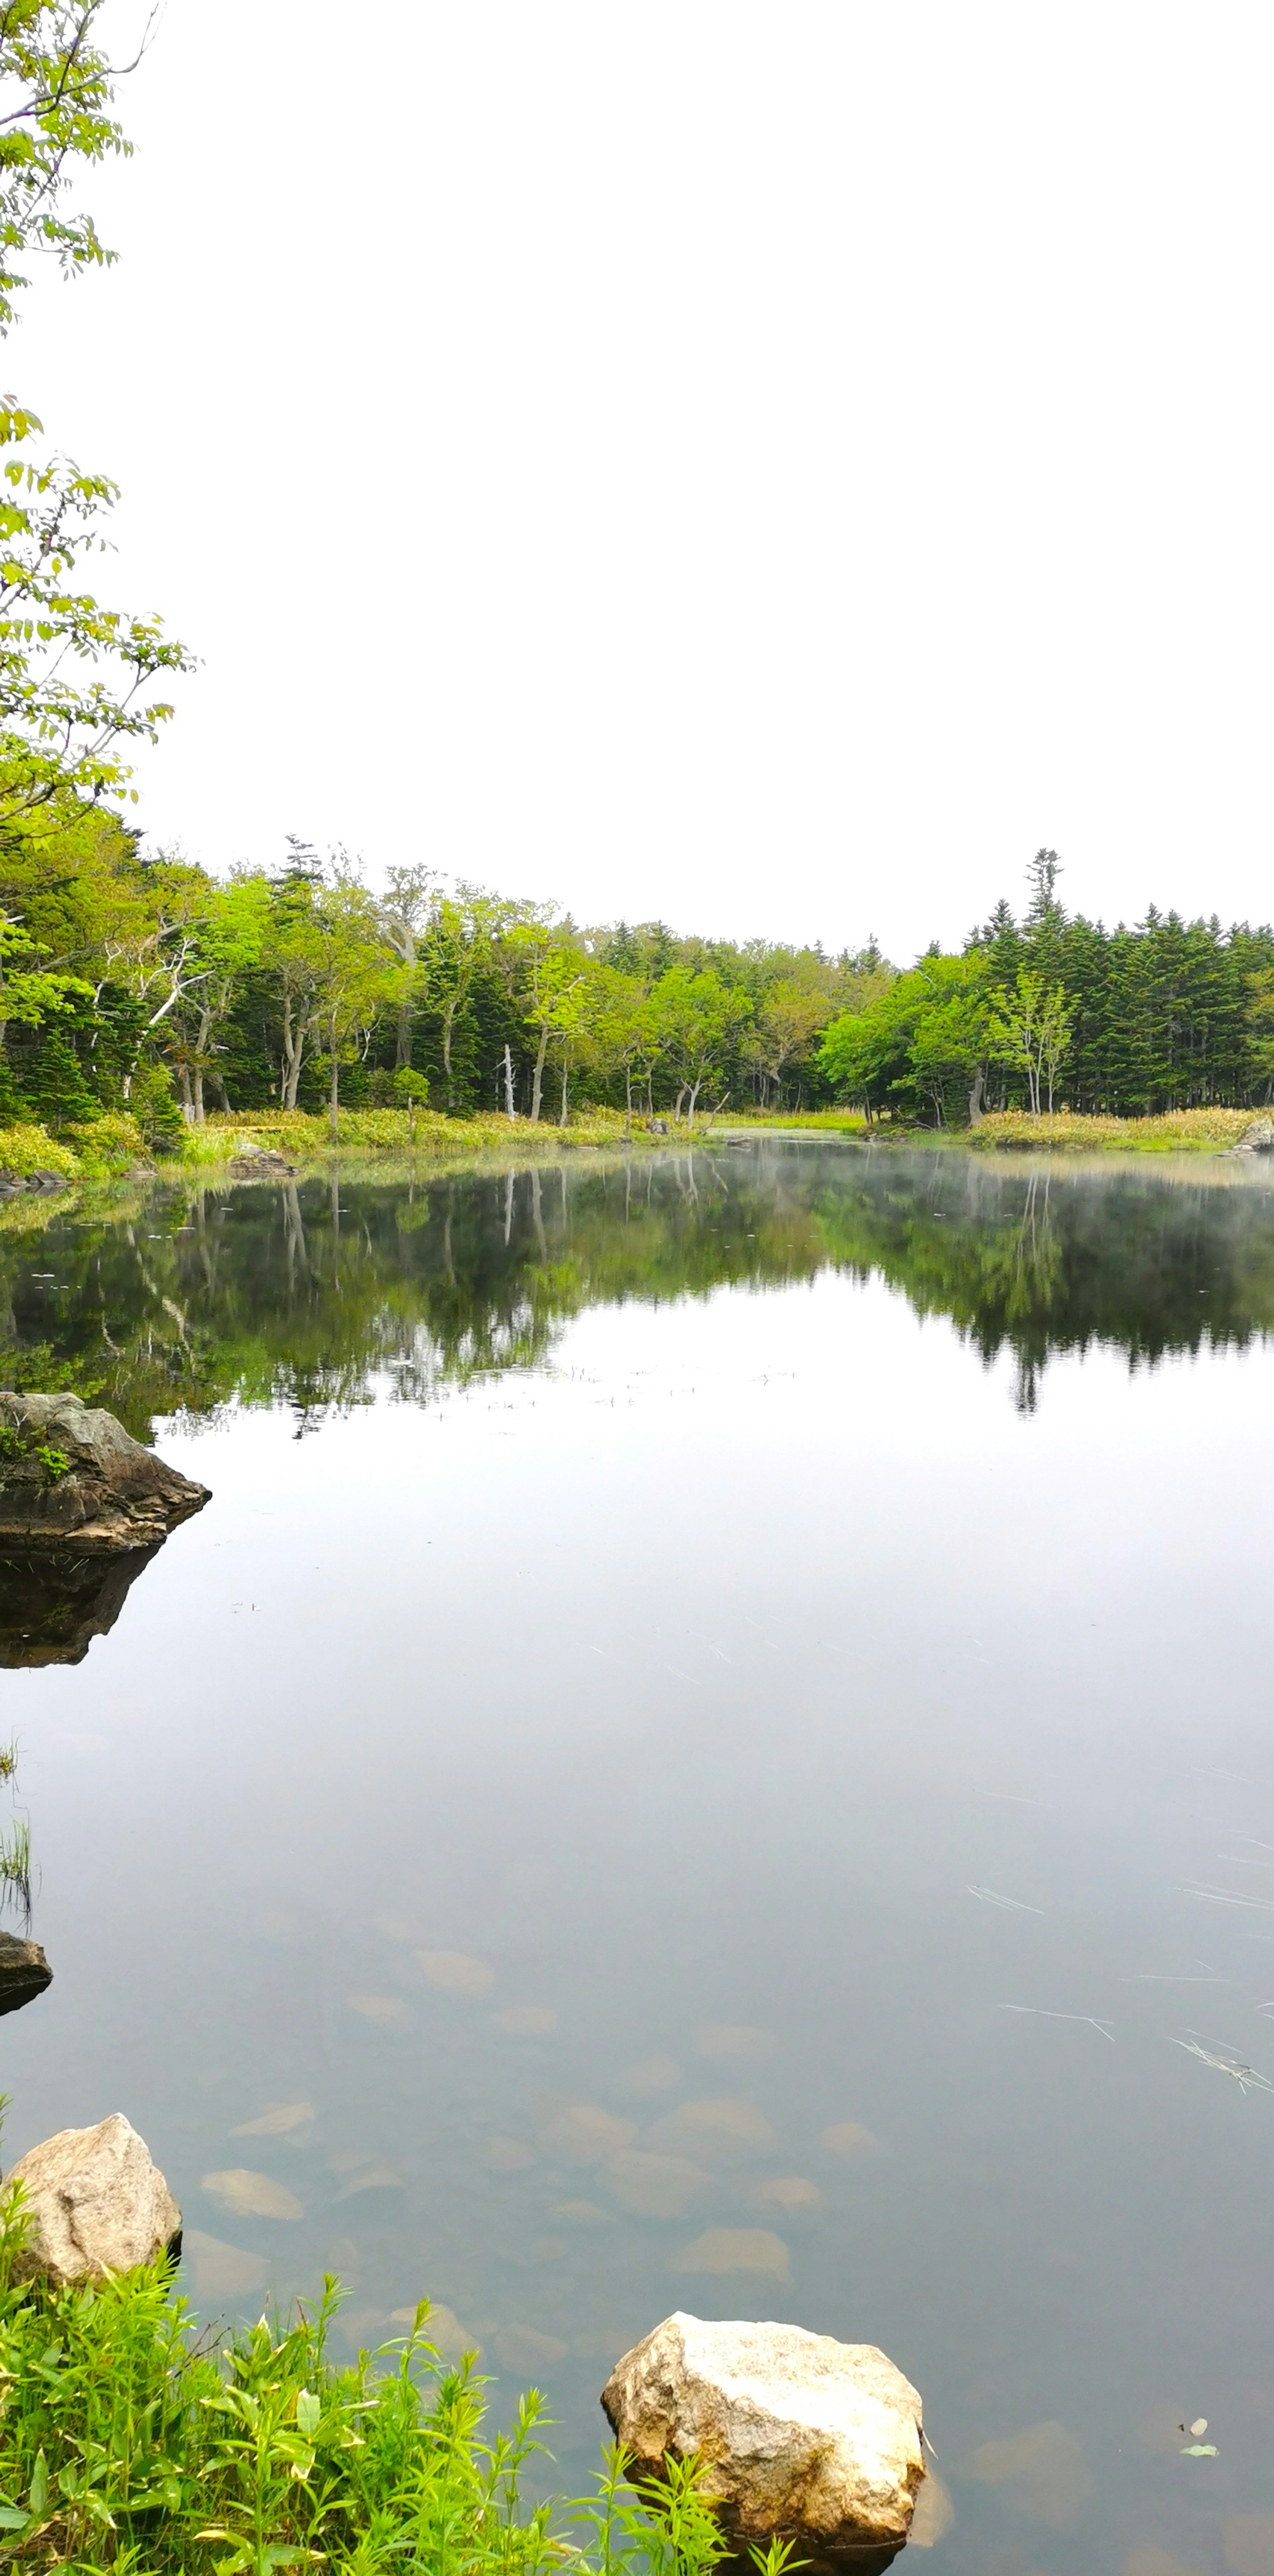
{"points": [[814, 2440], [96, 2204]]}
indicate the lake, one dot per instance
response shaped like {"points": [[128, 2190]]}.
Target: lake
{"points": [[713, 1748]]}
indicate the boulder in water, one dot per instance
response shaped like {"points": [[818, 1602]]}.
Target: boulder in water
{"points": [[24, 1972], [96, 2204], [813, 2441], [1256, 1139], [70, 1474]]}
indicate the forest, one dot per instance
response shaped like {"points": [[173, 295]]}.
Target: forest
{"points": [[134, 981], [141, 982]]}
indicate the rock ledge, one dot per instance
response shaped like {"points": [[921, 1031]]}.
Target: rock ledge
{"points": [[95, 1487]]}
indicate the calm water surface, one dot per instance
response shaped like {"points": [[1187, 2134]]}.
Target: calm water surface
{"points": [[713, 1748]]}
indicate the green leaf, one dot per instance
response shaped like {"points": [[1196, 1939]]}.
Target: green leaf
{"points": [[12, 2518], [1199, 2451], [39, 2486], [308, 2411]]}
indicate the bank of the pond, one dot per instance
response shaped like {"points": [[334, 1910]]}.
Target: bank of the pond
{"points": [[132, 2438]]}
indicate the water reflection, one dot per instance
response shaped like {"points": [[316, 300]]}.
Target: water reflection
{"points": [[307, 1293], [54, 1603]]}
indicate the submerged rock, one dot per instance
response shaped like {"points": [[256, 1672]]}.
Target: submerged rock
{"points": [[55, 1601], [813, 2440], [71, 1474], [24, 1972], [96, 2204]]}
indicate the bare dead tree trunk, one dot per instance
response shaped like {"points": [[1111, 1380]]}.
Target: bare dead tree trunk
{"points": [[537, 1083], [509, 1110]]}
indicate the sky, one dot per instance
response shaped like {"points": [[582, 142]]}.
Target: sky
{"points": [[770, 467]]}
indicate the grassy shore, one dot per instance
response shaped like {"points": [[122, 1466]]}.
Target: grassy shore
{"points": [[132, 2440], [1176, 1131], [106, 1149]]}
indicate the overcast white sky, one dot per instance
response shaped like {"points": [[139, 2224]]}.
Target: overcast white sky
{"points": [[770, 466]]}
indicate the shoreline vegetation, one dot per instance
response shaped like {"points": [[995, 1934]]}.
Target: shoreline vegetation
{"points": [[42, 1170], [133, 2438]]}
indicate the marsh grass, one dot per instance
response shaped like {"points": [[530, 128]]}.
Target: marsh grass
{"points": [[15, 1863], [131, 2440], [9, 1759], [1173, 1132]]}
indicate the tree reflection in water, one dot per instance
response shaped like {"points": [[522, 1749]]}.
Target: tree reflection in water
{"points": [[325, 1292]]}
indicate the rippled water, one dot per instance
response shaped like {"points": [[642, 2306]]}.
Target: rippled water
{"points": [[713, 1748]]}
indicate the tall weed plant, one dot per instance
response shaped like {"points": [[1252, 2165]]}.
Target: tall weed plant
{"points": [[131, 2440]]}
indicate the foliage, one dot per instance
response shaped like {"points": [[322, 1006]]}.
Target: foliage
{"points": [[1030, 1028], [1167, 1015], [27, 1149], [1176, 1131], [128, 2441]]}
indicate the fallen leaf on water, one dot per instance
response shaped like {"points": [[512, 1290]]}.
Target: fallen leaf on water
{"points": [[1200, 2425], [252, 2195], [1199, 2451]]}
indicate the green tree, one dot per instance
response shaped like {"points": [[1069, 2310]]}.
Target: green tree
{"points": [[74, 675], [699, 1021], [354, 976], [230, 938], [1029, 1028]]}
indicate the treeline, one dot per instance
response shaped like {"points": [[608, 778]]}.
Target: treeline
{"points": [[129, 981], [1055, 1010], [146, 983]]}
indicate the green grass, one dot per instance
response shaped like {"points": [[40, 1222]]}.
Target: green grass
{"points": [[9, 1759], [15, 1861], [132, 2440], [1175, 1131]]}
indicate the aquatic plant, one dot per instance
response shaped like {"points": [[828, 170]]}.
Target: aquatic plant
{"points": [[15, 1861]]}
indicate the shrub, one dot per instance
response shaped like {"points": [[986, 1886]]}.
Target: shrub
{"points": [[31, 1149], [152, 1104]]}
